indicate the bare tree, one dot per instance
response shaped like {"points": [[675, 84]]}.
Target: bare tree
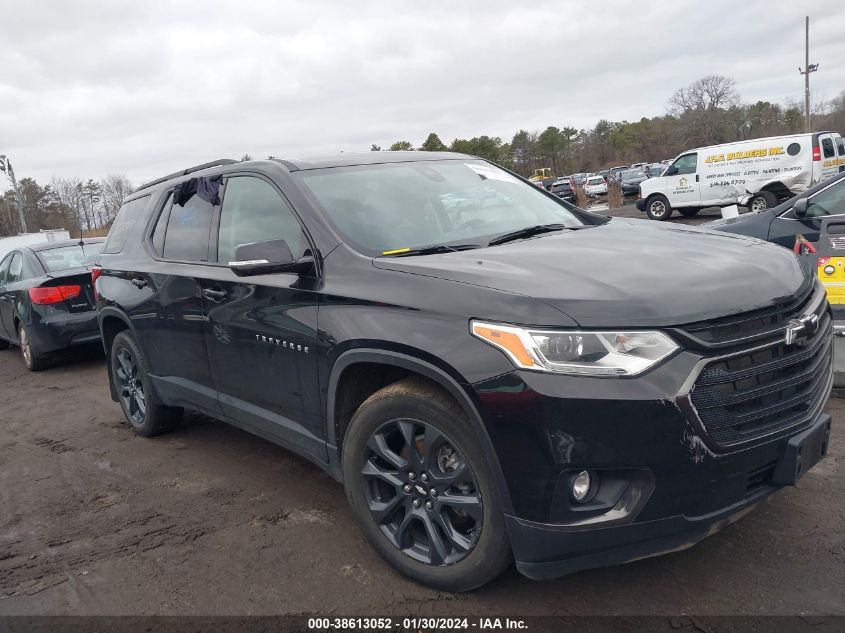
{"points": [[114, 188], [708, 93], [68, 193]]}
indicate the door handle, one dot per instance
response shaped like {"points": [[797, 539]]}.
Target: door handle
{"points": [[696, 178], [213, 295], [139, 283]]}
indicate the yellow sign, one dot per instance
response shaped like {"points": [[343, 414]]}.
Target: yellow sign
{"points": [[831, 271]]}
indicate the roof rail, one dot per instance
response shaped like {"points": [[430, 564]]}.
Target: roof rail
{"points": [[184, 172]]}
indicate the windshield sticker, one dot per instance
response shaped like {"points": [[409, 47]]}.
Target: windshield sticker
{"points": [[488, 172]]}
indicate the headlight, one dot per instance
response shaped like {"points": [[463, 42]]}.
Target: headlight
{"points": [[610, 353]]}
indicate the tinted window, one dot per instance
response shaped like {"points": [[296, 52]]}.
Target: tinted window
{"points": [[831, 201], [123, 224], [15, 268], [253, 211], [65, 257], [4, 268], [161, 226], [188, 230], [30, 266], [686, 164], [827, 147]]}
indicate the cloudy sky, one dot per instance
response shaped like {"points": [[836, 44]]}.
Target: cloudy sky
{"points": [[146, 88]]}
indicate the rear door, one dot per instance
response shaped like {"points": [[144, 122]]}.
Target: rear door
{"points": [[10, 294], [682, 181], [261, 331], [6, 331], [829, 155], [166, 306]]}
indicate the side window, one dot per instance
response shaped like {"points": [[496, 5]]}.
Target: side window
{"points": [[123, 223], [686, 164], [30, 267], [830, 201], [4, 268], [253, 211], [827, 148], [161, 226], [15, 269], [188, 230]]}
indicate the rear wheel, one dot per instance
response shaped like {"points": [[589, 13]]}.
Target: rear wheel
{"points": [[421, 489], [143, 411], [658, 208], [33, 360], [762, 200], [688, 212]]}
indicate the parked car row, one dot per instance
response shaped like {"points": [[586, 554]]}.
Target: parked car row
{"points": [[448, 343]]}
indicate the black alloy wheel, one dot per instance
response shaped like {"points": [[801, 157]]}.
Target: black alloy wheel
{"points": [[130, 387], [422, 492]]}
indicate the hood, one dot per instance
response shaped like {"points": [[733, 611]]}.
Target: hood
{"points": [[626, 273], [753, 224]]}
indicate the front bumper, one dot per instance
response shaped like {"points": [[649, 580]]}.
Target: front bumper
{"points": [[548, 551]]}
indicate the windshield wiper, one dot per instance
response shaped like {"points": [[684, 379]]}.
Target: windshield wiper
{"points": [[432, 250], [528, 231]]}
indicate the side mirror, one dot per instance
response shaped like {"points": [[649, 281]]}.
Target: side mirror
{"points": [[263, 258], [800, 208], [671, 170]]}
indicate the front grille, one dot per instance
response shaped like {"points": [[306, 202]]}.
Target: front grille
{"points": [[766, 388], [756, 325]]}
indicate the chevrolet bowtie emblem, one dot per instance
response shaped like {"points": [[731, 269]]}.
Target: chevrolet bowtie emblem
{"points": [[799, 330]]}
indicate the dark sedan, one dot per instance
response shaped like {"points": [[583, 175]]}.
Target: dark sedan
{"points": [[46, 299], [630, 180]]}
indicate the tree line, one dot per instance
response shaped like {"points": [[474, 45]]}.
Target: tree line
{"points": [[706, 112], [87, 206]]}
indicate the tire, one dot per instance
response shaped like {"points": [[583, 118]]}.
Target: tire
{"points": [[762, 200], [689, 212], [658, 208], [145, 414], [405, 534], [33, 360]]}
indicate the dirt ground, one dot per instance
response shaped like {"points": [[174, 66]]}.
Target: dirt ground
{"points": [[210, 520]]}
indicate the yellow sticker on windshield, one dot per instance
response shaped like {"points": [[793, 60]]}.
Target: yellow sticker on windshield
{"points": [[394, 252]]}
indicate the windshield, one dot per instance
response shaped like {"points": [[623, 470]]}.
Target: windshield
{"points": [[388, 207], [634, 173], [64, 257]]}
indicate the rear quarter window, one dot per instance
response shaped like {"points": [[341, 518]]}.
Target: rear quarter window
{"points": [[123, 223]]}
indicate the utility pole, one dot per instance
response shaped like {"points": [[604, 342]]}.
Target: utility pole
{"points": [[808, 68], [6, 166]]}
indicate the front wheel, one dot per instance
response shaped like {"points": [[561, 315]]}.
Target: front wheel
{"points": [[143, 411], [422, 490], [658, 208]]}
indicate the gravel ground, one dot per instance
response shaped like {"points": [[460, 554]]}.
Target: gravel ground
{"points": [[210, 520]]}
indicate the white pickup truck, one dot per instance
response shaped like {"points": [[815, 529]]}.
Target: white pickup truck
{"points": [[758, 173]]}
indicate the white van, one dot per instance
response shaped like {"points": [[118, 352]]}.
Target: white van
{"points": [[29, 239], [758, 173]]}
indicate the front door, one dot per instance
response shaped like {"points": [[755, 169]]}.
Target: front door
{"points": [[821, 205], [682, 186], [261, 330], [7, 299]]}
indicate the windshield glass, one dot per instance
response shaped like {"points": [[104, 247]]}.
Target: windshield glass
{"points": [[388, 207], [64, 257], [634, 173]]}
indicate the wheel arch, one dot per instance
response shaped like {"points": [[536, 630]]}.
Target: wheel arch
{"points": [[778, 189], [409, 365], [112, 321]]}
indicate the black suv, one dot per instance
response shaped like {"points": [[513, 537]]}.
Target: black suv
{"points": [[510, 379]]}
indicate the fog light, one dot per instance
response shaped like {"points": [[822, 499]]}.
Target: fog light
{"points": [[581, 486]]}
